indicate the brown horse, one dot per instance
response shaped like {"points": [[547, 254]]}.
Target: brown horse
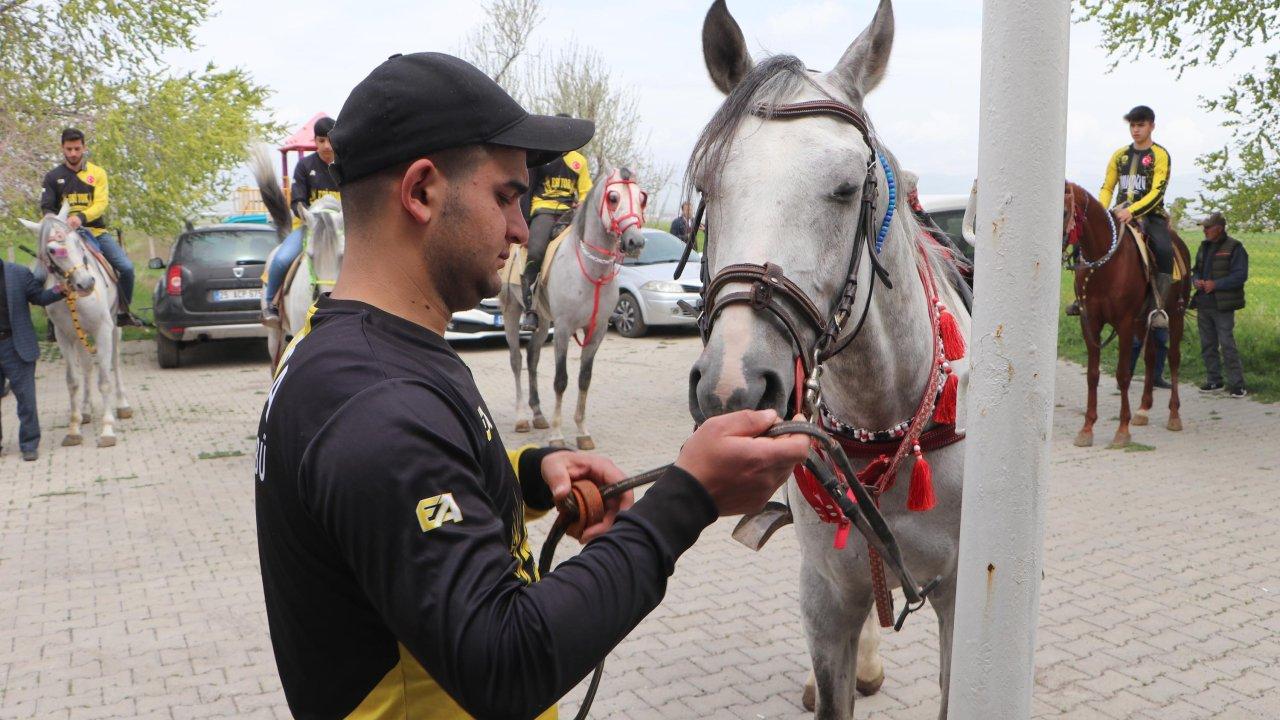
{"points": [[1111, 285]]}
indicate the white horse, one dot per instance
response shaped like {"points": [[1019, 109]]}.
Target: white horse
{"points": [[323, 244], [760, 210], [579, 294], [85, 326]]}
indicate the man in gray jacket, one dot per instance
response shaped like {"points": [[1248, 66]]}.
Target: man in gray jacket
{"points": [[19, 350]]}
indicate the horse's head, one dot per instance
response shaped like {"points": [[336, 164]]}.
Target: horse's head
{"points": [[780, 189], [61, 250], [326, 243], [621, 203]]}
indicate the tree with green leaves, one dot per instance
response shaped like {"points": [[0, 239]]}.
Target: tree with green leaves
{"points": [[167, 140], [1243, 176]]}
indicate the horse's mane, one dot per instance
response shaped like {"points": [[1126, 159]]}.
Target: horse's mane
{"points": [[775, 81]]}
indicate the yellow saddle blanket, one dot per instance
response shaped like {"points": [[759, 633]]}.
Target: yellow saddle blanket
{"points": [[514, 268], [1148, 262]]}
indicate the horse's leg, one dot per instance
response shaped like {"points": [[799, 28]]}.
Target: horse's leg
{"points": [[536, 341], [123, 411], [107, 389], [72, 357], [833, 646], [560, 385], [1123, 377], [1092, 340], [1176, 325], [870, 674], [1148, 381], [943, 601], [584, 384], [511, 328]]}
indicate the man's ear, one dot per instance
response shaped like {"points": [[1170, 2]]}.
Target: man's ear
{"points": [[420, 190]]}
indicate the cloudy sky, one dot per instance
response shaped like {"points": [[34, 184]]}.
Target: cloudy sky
{"points": [[311, 54]]}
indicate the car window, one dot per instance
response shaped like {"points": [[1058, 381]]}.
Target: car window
{"points": [[951, 222], [225, 248], [660, 247]]}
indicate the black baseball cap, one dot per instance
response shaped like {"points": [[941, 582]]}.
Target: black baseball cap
{"points": [[1215, 218], [1141, 113], [414, 105]]}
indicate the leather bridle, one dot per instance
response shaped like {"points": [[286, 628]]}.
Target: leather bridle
{"points": [[773, 292]]}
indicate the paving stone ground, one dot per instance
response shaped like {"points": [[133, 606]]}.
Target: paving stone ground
{"points": [[129, 581]]}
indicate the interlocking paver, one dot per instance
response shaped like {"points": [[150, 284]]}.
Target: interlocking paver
{"points": [[129, 581]]}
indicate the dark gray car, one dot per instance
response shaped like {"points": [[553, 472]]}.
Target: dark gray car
{"points": [[212, 287]]}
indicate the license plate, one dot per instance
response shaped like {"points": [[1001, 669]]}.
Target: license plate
{"points": [[497, 321], [237, 294]]}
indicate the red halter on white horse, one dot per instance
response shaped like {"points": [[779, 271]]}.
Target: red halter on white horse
{"points": [[618, 217]]}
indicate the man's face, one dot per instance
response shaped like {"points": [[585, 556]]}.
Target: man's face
{"points": [[73, 152], [686, 209], [324, 149], [1141, 131], [479, 219], [1213, 232]]}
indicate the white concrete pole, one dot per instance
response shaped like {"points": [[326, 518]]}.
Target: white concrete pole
{"points": [[1021, 165]]}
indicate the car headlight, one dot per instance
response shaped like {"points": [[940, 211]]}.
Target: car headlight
{"points": [[662, 286]]}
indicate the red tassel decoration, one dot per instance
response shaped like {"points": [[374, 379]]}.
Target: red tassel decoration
{"points": [[920, 497], [953, 345], [945, 412]]}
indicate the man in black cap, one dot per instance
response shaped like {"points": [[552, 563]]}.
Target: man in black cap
{"points": [[311, 181], [397, 572], [1141, 170], [1219, 275]]}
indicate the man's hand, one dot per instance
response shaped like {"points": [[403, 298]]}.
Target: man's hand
{"points": [[1207, 285], [561, 469], [1123, 215], [739, 469], [60, 289], [73, 222]]}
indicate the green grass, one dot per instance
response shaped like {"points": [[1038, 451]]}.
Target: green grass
{"points": [[1257, 329]]}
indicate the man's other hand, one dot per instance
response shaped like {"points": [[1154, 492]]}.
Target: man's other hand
{"points": [[561, 469]]}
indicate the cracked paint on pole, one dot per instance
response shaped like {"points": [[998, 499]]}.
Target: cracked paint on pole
{"points": [[1021, 165]]}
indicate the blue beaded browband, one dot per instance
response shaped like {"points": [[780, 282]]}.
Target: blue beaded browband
{"points": [[892, 183]]}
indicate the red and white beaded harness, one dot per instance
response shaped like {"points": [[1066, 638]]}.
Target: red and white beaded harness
{"points": [[616, 223]]}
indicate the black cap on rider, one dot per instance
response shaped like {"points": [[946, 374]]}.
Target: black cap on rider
{"points": [[417, 104], [323, 126], [1141, 113]]}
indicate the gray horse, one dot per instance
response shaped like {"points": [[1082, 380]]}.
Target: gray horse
{"points": [[578, 294], [760, 208]]}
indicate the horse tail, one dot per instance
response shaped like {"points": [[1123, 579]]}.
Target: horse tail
{"points": [[264, 174]]}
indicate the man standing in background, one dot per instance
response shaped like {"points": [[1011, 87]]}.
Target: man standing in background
{"points": [[1219, 274]]}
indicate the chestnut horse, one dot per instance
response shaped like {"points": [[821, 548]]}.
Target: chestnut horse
{"points": [[1111, 284]]}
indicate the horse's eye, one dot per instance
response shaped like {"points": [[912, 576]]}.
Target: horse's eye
{"points": [[844, 192], [613, 198], [644, 199]]}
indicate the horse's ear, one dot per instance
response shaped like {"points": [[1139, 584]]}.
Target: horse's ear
{"points": [[308, 217], [724, 48], [863, 65], [33, 227]]}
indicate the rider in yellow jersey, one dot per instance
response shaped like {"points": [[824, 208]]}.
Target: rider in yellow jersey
{"points": [[1141, 170], [555, 188]]}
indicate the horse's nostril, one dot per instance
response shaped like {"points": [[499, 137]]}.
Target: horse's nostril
{"points": [[775, 395]]}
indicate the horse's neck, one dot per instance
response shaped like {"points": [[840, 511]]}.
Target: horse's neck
{"points": [[878, 380]]}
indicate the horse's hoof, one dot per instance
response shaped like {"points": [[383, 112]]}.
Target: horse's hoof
{"points": [[1084, 439], [522, 426], [1120, 441], [557, 443], [1139, 418], [70, 440], [107, 441], [870, 687], [541, 423], [1175, 424], [124, 413], [810, 697], [586, 443]]}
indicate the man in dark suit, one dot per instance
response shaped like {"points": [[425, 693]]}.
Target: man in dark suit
{"points": [[18, 348]]}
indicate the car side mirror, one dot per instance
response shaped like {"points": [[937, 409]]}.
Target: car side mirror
{"points": [[155, 263]]}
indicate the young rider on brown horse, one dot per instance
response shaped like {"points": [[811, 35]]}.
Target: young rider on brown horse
{"points": [[1141, 169]]}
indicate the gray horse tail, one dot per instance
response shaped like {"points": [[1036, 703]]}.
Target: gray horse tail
{"points": [[264, 174]]}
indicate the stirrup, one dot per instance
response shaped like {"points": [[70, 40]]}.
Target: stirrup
{"points": [[1158, 319], [529, 321], [1073, 310]]}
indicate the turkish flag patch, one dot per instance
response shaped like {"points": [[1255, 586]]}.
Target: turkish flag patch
{"points": [[89, 179], [577, 165], [1146, 161]]}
